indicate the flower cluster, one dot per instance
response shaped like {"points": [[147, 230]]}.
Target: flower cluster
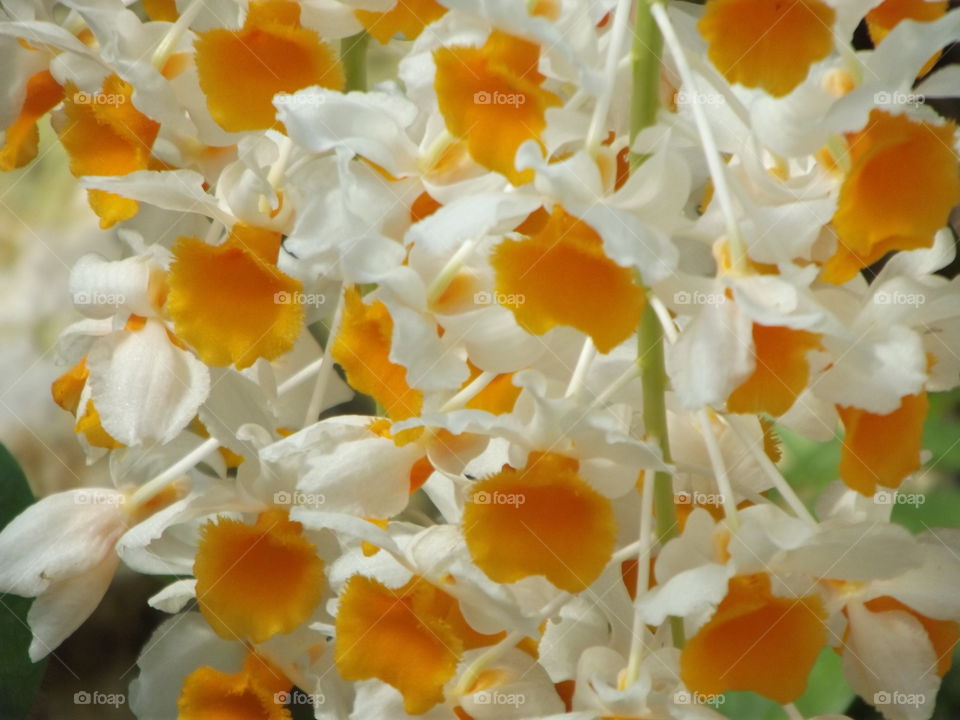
{"points": [[570, 263]]}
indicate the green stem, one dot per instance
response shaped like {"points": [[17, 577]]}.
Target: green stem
{"points": [[645, 65], [644, 103], [353, 55], [654, 376]]}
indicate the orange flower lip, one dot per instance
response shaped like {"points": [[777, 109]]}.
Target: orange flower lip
{"points": [[756, 641], [231, 304], [555, 524], [240, 71], [769, 44], [407, 17], [419, 621], [254, 581], [106, 135], [494, 92], [362, 348], [902, 184], [560, 275]]}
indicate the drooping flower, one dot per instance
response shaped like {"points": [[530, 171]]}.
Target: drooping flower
{"points": [[769, 44], [554, 523], [22, 139], [882, 450], [105, 134], [241, 70], [781, 372], [362, 348], [230, 302], [560, 275], [252, 692], [902, 183], [418, 621], [254, 581], [756, 641], [494, 91], [406, 17]]}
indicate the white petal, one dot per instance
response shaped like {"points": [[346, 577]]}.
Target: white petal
{"points": [[712, 356], [372, 125], [177, 648], [630, 242], [468, 218], [58, 537], [180, 190], [692, 593], [890, 662], [338, 461], [931, 588], [874, 373], [100, 288], [62, 607], [858, 552], [235, 400], [145, 388], [175, 596]]}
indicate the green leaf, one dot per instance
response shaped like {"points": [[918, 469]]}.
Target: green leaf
{"points": [[808, 466], [827, 692], [939, 508], [941, 431], [827, 689], [739, 705], [19, 678]]}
